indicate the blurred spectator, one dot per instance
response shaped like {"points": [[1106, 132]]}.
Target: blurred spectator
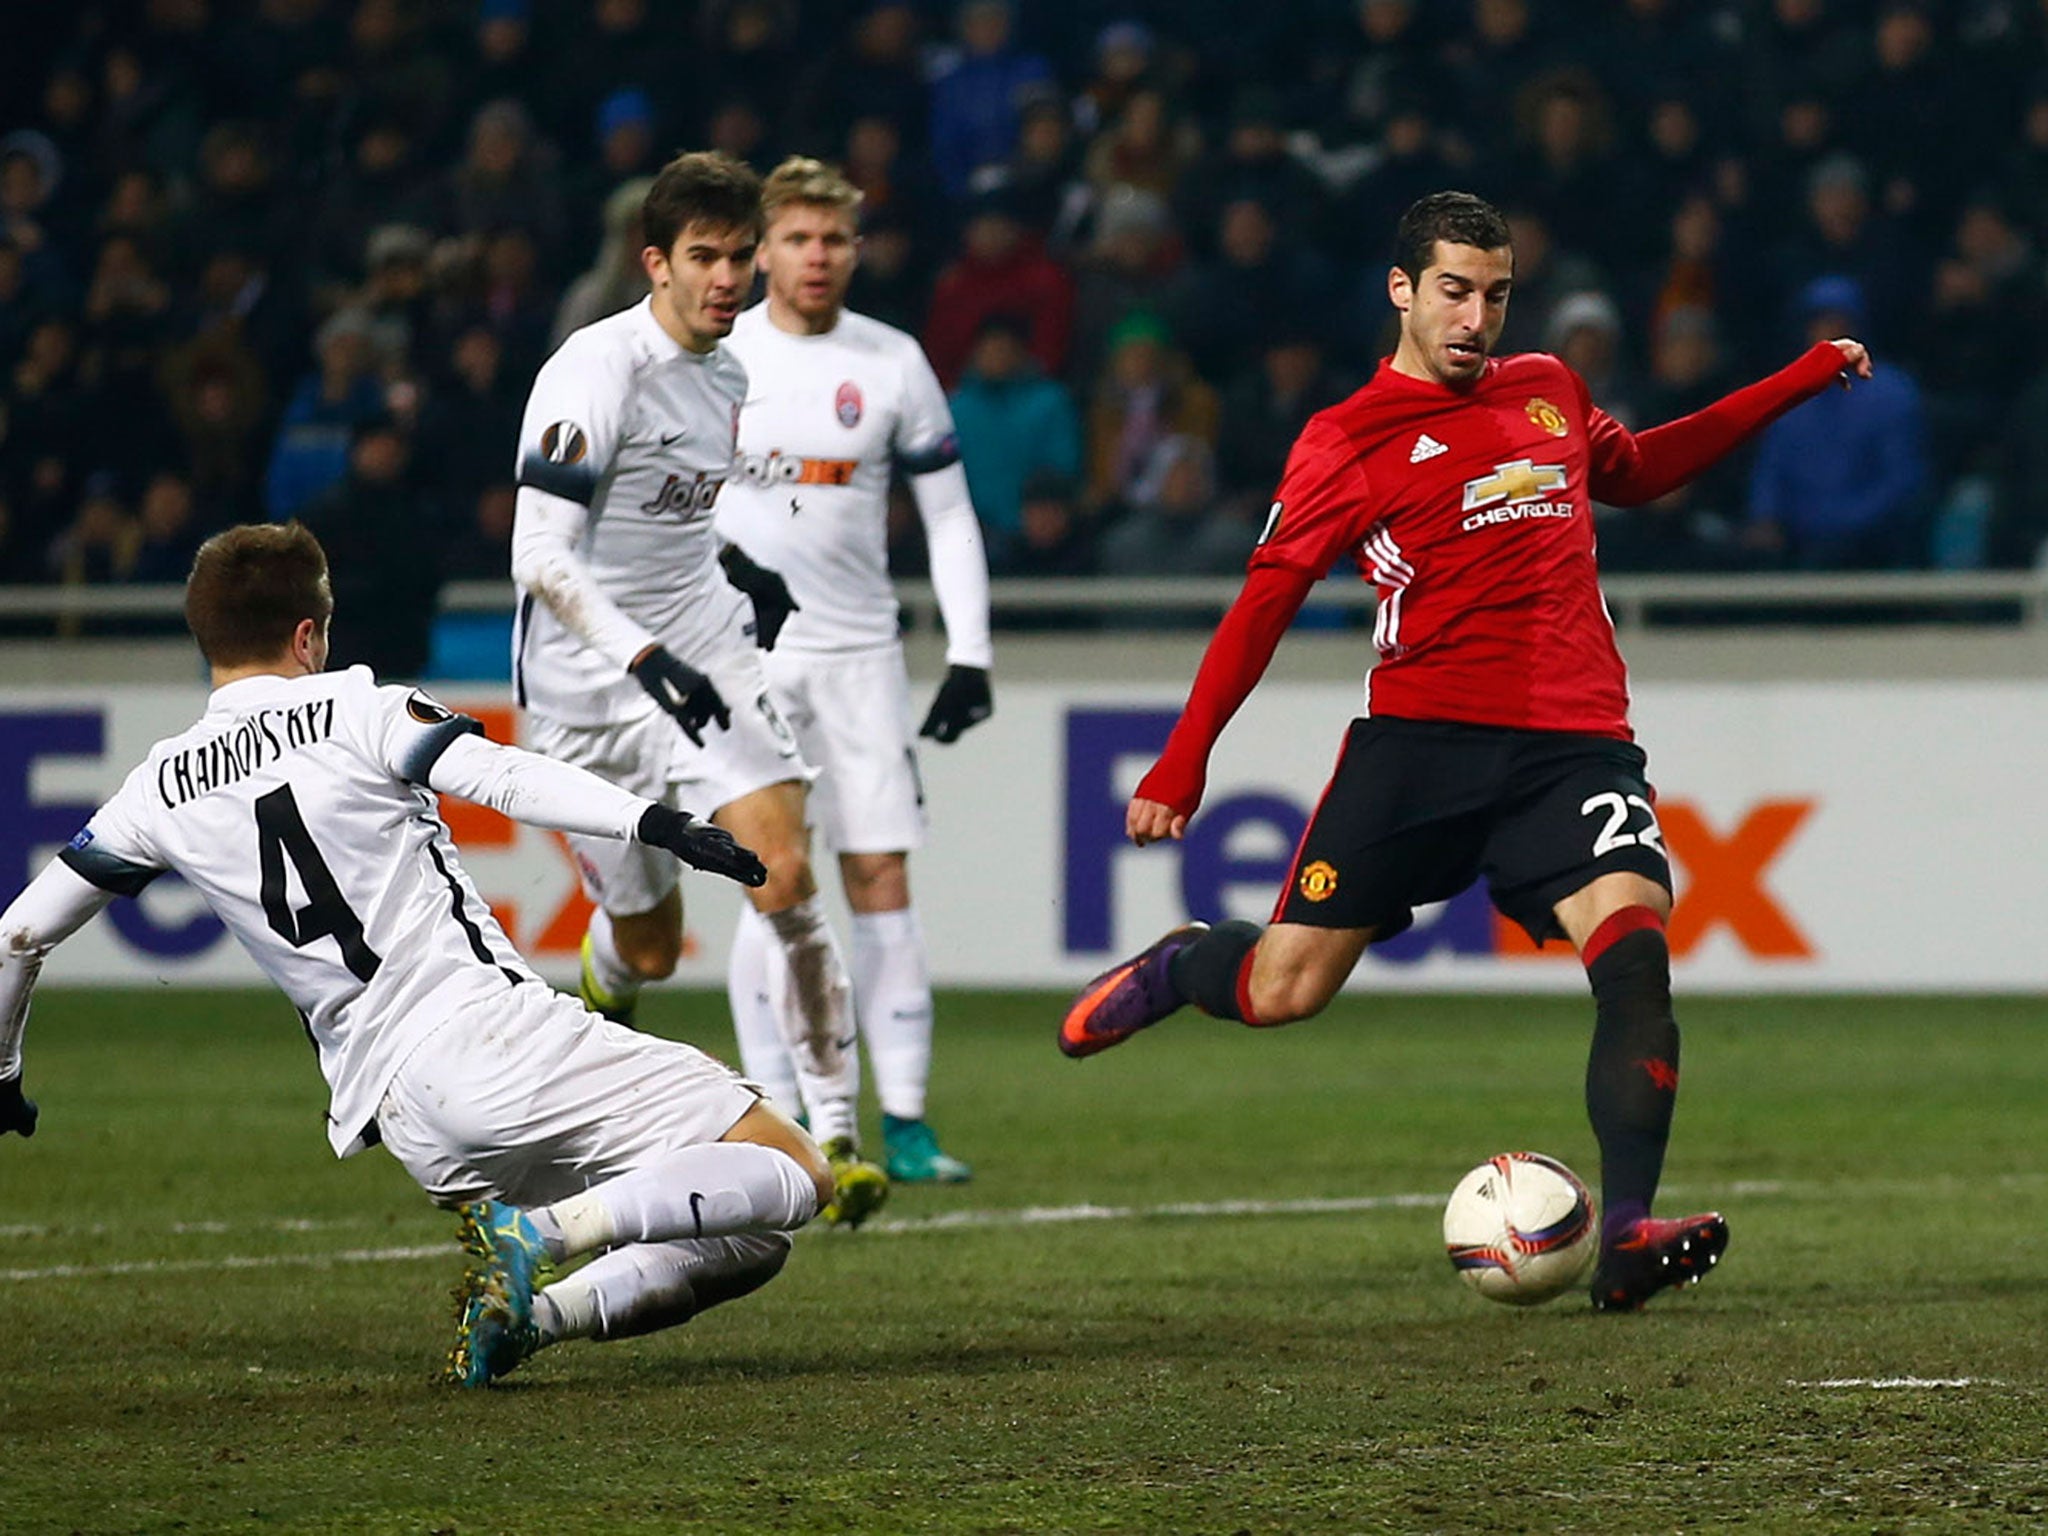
{"points": [[1146, 394], [504, 62], [892, 283], [471, 420], [240, 206], [1053, 538], [1255, 164], [1986, 290], [1146, 146], [737, 128], [1800, 49], [1013, 422], [1264, 412], [391, 74], [888, 180], [50, 420], [218, 404], [100, 544], [1585, 332], [1174, 527], [1130, 264], [127, 321], [1408, 162], [878, 76], [1124, 55], [1841, 481], [509, 179], [749, 44], [1042, 182], [1890, 108], [394, 296], [1001, 268], [21, 554], [626, 151], [382, 182], [169, 530], [1387, 57], [480, 543], [30, 172], [1492, 63], [1565, 166], [1254, 285], [1843, 235], [611, 44], [1546, 274], [979, 94], [329, 404], [1696, 527], [2018, 535], [616, 280], [384, 555]]}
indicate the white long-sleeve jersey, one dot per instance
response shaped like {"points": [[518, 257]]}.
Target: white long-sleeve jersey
{"points": [[826, 419], [627, 442], [299, 808]]}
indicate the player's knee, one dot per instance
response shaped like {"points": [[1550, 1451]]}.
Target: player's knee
{"points": [[876, 882], [650, 956], [789, 877], [1289, 997]]}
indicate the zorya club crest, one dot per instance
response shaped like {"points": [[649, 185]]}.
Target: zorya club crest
{"points": [[846, 404]]}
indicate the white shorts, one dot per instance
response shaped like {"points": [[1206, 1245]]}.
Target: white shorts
{"points": [[537, 1098], [650, 755], [851, 715]]}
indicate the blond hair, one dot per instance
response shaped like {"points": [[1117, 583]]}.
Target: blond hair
{"points": [[800, 179]]}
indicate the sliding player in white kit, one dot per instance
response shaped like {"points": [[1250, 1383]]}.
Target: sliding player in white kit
{"points": [[835, 402], [636, 654], [299, 806]]}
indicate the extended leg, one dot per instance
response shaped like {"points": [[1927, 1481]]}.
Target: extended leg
{"points": [[1617, 925]]}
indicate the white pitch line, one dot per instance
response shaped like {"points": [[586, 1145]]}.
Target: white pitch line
{"points": [[229, 1261], [949, 1221], [1894, 1383], [946, 1221]]}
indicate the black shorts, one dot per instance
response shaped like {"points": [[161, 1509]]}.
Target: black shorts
{"points": [[1416, 810]]}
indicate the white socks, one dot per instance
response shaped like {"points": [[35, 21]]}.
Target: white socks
{"points": [[619, 980], [713, 1190], [812, 1005], [646, 1286], [763, 1056], [892, 997]]}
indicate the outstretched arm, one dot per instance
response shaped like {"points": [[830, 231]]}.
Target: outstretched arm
{"points": [[561, 797], [56, 904], [1236, 659], [1630, 469]]}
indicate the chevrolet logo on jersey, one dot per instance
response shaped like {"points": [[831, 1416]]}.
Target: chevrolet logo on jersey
{"points": [[779, 468], [1516, 490]]}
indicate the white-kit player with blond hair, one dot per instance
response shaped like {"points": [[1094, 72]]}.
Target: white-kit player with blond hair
{"points": [[836, 404]]}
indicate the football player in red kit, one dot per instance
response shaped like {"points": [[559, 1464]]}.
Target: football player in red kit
{"points": [[1495, 739]]}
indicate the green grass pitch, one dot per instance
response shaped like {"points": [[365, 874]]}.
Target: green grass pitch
{"points": [[208, 1324]]}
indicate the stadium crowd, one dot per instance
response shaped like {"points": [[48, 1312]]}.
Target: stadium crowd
{"points": [[266, 258]]}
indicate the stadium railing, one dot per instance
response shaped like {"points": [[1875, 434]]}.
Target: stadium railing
{"points": [[1637, 601]]}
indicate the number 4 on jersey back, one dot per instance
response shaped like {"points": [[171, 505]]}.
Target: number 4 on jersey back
{"points": [[281, 834]]}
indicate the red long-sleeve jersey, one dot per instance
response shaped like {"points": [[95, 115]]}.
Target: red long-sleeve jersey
{"points": [[1471, 511]]}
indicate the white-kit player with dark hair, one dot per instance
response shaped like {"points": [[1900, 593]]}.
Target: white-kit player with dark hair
{"points": [[637, 651], [300, 806]]}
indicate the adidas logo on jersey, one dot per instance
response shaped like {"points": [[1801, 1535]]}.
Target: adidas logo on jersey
{"points": [[1426, 447]]}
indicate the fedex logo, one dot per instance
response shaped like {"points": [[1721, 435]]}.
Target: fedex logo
{"points": [[1722, 871]]}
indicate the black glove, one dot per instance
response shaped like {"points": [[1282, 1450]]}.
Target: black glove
{"points": [[700, 845], [963, 700], [766, 589], [682, 690], [16, 1113]]}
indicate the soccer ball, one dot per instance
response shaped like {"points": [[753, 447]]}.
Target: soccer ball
{"points": [[1520, 1228]]}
